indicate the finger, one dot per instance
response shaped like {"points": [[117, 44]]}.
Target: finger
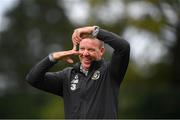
{"points": [[68, 60], [75, 52], [75, 39], [74, 47], [69, 53], [80, 53], [77, 34], [77, 47]]}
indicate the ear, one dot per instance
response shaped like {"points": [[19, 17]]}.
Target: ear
{"points": [[102, 50]]}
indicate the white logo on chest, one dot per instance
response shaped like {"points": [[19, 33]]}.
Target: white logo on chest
{"points": [[74, 83], [96, 75]]}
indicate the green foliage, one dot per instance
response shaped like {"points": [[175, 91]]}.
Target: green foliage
{"points": [[37, 28], [33, 106], [147, 24], [149, 97], [21, 106]]}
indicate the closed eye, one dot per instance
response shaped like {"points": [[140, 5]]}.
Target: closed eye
{"points": [[81, 49], [91, 50]]}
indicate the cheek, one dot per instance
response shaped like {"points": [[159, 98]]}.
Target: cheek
{"points": [[99, 54], [92, 54], [95, 55]]}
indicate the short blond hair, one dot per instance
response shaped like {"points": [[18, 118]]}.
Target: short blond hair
{"points": [[85, 35]]}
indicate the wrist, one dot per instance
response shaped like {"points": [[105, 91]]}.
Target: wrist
{"points": [[95, 31], [51, 58]]}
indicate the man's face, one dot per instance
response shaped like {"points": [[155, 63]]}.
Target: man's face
{"points": [[90, 50]]}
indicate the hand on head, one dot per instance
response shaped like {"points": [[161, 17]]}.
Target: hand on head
{"points": [[79, 34]]}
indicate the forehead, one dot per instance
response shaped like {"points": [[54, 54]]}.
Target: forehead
{"points": [[90, 42]]}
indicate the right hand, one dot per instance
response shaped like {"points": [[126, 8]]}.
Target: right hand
{"points": [[77, 35], [65, 55]]}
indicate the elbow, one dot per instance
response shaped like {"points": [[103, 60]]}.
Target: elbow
{"points": [[29, 79], [126, 46]]}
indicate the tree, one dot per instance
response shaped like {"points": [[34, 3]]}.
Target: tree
{"points": [[157, 87], [36, 28]]}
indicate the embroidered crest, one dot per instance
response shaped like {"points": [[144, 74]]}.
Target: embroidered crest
{"points": [[96, 75], [74, 83]]}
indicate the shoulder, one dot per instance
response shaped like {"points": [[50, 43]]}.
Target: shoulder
{"points": [[104, 64], [66, 70], [64, 73]]}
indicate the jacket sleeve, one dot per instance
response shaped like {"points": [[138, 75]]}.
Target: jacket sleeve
{"points": [[40, 78], [120, 57]]}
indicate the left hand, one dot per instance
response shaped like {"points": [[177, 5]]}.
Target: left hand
{"points": [[76, 36], [65, 55]]}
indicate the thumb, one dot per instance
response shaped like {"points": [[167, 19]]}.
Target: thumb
{"points": [[74, 47], [68, 60]]}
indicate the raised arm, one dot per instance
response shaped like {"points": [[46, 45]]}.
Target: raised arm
{"points": [[120, 57], [39, 76]]}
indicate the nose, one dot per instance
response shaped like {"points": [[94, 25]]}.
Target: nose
{"points": [[85, 53]]}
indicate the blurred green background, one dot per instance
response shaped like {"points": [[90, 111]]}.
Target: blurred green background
{"points": [[31, 29]]}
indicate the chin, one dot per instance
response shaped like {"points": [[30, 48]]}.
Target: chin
{"points": [[85, 66]]}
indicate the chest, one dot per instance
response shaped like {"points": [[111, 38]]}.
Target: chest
{"points": [[82, 86], [80, 82]]}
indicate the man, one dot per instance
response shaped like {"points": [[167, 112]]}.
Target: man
{"points": [[89, 88]]}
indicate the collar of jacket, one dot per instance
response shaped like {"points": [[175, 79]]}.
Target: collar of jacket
{"points": [[94, 66]]}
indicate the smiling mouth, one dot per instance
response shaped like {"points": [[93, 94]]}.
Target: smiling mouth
{"points": [[87, 61]]}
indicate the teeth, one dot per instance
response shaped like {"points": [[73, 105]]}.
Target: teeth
{"points": [[86, 60]]}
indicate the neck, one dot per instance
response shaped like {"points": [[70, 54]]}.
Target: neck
{"points": [[83, 70]]}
